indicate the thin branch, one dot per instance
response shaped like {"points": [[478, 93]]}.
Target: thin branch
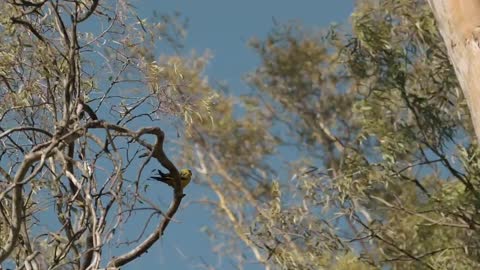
{"points": [[29, 27], [16, 129], [89, 12]]}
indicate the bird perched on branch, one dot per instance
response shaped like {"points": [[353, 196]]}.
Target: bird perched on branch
{"points": [[167, 178], [83, 107]]}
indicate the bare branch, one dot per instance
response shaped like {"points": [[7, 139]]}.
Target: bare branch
{"points": [[89, 11], [29, 26]]}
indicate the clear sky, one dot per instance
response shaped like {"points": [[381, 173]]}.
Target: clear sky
{"points": [[224, 27]]}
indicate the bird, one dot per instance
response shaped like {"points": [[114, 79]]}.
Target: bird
{"points": [[83, 107], [167, 178]]}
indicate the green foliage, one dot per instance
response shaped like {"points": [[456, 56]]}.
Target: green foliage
{"points": [[387, 167], [172, 78], [354, 149]]}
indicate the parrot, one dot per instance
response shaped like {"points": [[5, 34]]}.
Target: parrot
{"points": [[185, 177]]}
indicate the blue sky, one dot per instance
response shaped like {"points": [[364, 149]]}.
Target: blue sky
{"points": [[224, 28]]}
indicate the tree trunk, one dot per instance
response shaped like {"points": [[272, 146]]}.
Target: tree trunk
{"points": [[459, 25]]}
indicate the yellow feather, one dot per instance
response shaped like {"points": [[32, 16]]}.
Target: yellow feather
{"points": [[185, 177]]}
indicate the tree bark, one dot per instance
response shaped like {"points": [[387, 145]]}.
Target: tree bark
{"points": [[459, 25]]}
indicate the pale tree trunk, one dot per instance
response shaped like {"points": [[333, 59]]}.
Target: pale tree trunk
{"points": [[459, 25]]}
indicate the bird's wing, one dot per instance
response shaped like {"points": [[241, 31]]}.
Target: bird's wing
{"points": [[165, 179]]}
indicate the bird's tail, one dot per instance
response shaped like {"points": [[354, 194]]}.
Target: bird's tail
{"points": [[162, 177]]}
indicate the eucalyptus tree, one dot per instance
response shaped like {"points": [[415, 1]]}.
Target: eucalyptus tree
{"points": [[82, 93], [354, 150]]}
